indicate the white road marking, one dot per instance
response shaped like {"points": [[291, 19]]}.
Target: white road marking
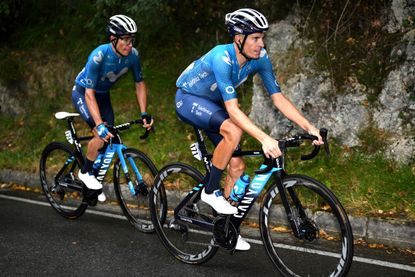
{"points": [[255, 241]]}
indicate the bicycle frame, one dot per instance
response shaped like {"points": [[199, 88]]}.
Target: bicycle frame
{"points": [[262, 176], [104, 160]]}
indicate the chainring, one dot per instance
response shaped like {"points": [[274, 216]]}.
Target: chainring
{"points": [[225, 233]]}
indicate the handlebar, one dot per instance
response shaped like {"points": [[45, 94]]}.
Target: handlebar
{"points": [[295, 141], [127, 125]]}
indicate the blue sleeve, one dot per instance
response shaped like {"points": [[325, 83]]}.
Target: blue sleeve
{"points": [[222, 69], [136, 66], [267, 75], [92, 68]]}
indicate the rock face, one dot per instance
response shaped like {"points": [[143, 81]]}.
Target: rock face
{"points": [[399, 12], [9, 104], [348, 114], [46, 77]]}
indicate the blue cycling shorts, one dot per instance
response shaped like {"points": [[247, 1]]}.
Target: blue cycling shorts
{"points": [[201, 113], [104, 105]]}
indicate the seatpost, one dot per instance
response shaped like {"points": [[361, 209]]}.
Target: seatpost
{"points": [[202, 148]]}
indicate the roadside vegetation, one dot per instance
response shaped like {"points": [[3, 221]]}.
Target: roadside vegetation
{"points": [[45, 44]]}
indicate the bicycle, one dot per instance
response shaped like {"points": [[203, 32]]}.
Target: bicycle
{"points": [[133, 174], [298, 213]]}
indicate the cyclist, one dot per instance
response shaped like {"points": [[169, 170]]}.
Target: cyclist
{"points": [[206, 98], [90, 94]]}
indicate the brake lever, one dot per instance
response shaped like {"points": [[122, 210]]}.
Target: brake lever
{"points": [[323, 134], [147, 132], [145, 135]]}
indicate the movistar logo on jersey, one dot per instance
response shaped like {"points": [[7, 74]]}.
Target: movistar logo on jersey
{"points": [[98, 58], [112, 77], [227, 58]]}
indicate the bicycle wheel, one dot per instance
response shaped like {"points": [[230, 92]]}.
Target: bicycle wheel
{"points": [[59, 166], [187, 242], [135, 205], [325, 244]]}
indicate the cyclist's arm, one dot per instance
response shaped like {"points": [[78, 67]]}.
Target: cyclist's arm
{"points": [[93, 108], [141, 95], [292, 113], [92, 105], [238, 117]]}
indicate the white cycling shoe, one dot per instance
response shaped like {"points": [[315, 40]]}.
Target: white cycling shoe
{"points": [[242, 244], [102, 197], [218, 202], [89, 180]]}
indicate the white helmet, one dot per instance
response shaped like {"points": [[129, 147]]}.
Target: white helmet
{"points": [[121, 25], [246, 21]]}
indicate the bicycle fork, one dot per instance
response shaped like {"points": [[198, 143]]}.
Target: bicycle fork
{"points": [[139, 186], [300, 224]]}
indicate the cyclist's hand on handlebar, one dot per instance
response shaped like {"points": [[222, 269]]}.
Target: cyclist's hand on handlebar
{"points": [[147, 120], [316, 132], [271, 148], [103, 132]]}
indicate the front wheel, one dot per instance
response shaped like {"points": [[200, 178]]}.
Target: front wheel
{"points": [[59, 166], [133, 197], [183, 222], [324, 243]]}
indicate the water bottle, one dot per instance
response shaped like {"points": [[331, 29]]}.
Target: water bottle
{"points": [[239, 188]]}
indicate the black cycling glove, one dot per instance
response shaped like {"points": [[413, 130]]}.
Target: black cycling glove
{"points": [[147, 117]]}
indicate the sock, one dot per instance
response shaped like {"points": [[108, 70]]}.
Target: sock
{"points": [[214, 179], [87, 166]]}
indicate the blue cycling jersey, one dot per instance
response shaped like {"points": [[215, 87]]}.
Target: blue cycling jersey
{"points": [[104, 67], [216, 74]]}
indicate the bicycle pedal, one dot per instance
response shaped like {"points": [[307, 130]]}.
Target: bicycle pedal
{"points": [[91, 195], [92, 201]]}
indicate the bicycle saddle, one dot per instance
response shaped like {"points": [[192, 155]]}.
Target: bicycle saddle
{"points": [[63, 115]]}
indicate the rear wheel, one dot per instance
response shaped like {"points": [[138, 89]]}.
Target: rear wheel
{"points": [[135, 202], [59, 166], [188, 242], [324, 246]]}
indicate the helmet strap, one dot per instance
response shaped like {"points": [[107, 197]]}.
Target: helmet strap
{"points": [[114, 43], [241, 48]]}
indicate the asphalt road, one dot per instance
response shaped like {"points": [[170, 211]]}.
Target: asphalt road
{"points": [[36, 241]]}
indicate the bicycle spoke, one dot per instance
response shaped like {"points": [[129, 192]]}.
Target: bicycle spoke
{"points": [[325, 236], [190, 243], [58, 169], [134, 201]]}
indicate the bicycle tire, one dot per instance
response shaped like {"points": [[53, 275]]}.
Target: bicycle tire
{"points": [[67, 202], [326, 248], [135, 207], [187, 242]]}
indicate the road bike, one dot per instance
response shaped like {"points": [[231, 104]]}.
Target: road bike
{"points": [[300, 219], [133, 174]]}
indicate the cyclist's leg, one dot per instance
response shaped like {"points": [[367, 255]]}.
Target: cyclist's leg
{"points": [[213, 118], [78, 100], [235, 168], [107, 114], [223, 152], [207, 115]]}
